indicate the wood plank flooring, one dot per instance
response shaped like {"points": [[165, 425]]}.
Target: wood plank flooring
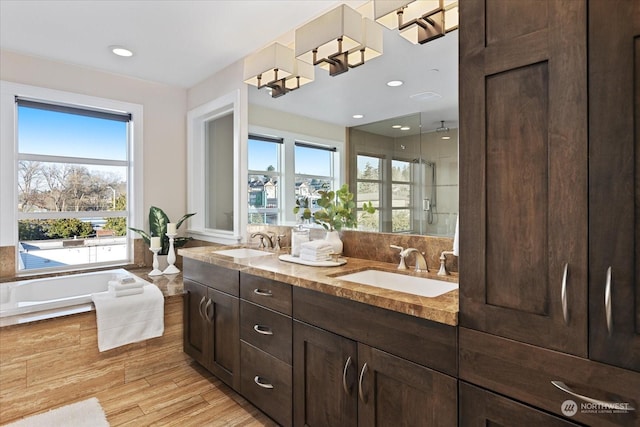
{"points": [[187, 396], [52, 363]]}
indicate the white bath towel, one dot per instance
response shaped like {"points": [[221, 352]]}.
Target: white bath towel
{"points": [[118, 285], [319, 246], [308, 255], [127, 320], [316, 250], [125, 292]]}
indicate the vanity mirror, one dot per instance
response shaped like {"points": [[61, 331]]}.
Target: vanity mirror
{"points": [[421, 197]]}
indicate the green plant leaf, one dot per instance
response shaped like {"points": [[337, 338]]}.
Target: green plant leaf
{"points": [[183, 219], [145, 236]]}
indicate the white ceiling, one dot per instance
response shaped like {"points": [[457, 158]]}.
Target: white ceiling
{"points": [[182, 42]]}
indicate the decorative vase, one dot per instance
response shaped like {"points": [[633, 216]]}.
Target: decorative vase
{"points": [[333, 237]]}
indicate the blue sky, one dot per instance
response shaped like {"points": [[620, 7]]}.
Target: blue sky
{"points": [[309, 161], [62, 134]]}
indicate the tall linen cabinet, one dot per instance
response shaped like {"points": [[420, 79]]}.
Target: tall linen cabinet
{"points": [[550, 208]]}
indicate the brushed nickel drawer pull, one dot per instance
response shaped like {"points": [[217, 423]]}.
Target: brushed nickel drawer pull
{"points": [[262, 384], [565, 310], [607, 302], [206, 311], [200, 307], [363, 398], [613, 405], [264, 330], [263, 293], [346, 388]]}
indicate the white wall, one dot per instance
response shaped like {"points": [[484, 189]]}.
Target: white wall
{"points": [[164, 131]]}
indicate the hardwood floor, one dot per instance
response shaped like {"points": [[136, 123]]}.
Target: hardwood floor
{"points": [[187, 396], [55, 362]]}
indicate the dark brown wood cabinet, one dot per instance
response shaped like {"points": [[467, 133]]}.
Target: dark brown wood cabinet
{"points": [[481, 408], [324, 378], [614, 182], [549, 206], [523, 191], [393, 391], [211, 319], [266, 346], [348, 374]]}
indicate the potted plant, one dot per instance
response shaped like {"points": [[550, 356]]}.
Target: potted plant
{"points": [[338, 210], [158, 221]]}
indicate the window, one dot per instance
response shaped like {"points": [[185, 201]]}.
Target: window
{"points": [[70, 172], [313, 171], [264, 179], [400, 196], [283, 167], [369, 184]]}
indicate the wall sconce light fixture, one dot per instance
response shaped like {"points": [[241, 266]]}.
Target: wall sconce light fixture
{"points": [[276, 67], [418, 21], [338, 40]]}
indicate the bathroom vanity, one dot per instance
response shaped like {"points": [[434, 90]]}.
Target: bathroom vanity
{"points": [[313, 349]]}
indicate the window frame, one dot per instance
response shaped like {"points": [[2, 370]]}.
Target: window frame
{"points": [[287, 162], [9, 213], [279, 142]]}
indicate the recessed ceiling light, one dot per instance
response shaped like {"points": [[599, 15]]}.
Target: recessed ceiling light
{"points": [[358, 116], [425, 96], [395, 83], [405, 128], [396, 126], [121, 51], [446, 137]]}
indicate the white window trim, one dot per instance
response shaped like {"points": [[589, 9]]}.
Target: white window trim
{"points": [[287, 162], [9, 152]]}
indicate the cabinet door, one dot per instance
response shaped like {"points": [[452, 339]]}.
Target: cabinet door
{"points": [[523, 190], [394, 391], [223, 358], [614, 182], [480, 408], [195, 325], [324, 378]]}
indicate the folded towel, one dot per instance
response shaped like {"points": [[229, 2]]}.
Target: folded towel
{"points": [[117, 285], [319, 246], [127, 320], [308, 255], [125, 292]]}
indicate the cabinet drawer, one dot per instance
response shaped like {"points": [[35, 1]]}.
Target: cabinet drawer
{"points": [[267, 383], [220, 278], [266, 292], [266, 329], [524, 372]]}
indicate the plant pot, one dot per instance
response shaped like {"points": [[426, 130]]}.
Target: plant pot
{"points": [[333, 237]]}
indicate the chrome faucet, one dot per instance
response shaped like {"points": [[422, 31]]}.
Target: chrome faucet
{"points": [[268, 236], [421, 263]]}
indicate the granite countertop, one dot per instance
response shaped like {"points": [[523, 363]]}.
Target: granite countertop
{"points": [[442, 309]]}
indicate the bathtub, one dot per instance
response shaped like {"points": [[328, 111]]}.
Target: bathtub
{"points": [[34, 295]]}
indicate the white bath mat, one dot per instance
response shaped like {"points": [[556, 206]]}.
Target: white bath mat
{"points": [[87, 413]]}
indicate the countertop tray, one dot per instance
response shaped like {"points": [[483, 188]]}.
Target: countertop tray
{"points": [[297, 260]]}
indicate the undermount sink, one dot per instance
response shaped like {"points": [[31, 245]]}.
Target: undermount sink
{"points": [[242, 253], [401, 282]]}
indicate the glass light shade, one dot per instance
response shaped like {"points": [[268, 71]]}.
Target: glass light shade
{"points": [[264, 62], [323, 32], [372, 42]]}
